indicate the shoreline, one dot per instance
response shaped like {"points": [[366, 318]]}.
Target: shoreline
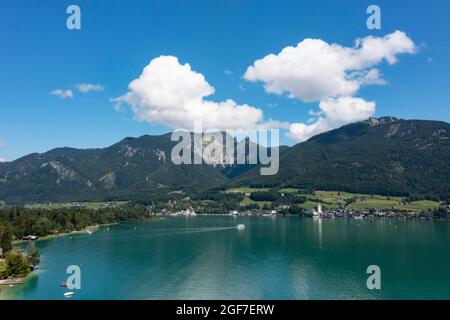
{"points": [[8, 283], [87, 229], [323, 217], [12, 282]]}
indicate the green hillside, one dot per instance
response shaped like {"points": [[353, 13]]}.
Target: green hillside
{"points": [[379, 156]]}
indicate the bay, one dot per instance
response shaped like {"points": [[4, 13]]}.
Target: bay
{"points": [[207, 257]]}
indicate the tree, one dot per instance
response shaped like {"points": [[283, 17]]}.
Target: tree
{"points": [[33, 256], [5, 237], [41, 227], [441, 212], [3, 272], [16, 265], [264, 196]]}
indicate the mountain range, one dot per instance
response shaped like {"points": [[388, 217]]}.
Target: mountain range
{"points": [[385, 156], [378, 156]]}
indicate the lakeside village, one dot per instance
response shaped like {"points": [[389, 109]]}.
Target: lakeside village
{"points": [[320, 213], [321, 205]]}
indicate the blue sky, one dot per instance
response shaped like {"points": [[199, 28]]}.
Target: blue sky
{"points": [[119, 38]]}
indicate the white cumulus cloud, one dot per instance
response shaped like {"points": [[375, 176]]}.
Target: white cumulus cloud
{"points": [[335, 112], [62, 93], [87, 87], [173, 94], [316, 71]]}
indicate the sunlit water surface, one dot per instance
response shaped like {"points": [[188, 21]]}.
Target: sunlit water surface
{"points": [[272, 258]]}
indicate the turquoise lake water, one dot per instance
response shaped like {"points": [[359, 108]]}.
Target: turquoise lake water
{"points": [[272, 258]]}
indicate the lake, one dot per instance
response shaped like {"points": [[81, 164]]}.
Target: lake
{"points": [[207, 257]]}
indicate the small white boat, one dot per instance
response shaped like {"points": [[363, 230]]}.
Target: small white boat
{"points": [[240, 226], [68, 294]]}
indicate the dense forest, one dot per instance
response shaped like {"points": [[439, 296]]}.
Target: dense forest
{"points": [[16, 222]]}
